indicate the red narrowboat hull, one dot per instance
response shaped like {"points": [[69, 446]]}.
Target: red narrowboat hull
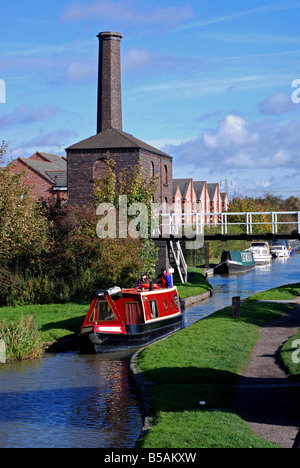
{"points": [[130, 319]]}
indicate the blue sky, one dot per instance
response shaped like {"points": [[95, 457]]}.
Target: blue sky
{"points": [[208, 82]]}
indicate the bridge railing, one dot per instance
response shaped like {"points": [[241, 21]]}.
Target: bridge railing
{"points": [[177, 224]]}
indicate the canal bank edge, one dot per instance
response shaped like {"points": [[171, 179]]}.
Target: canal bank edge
{"points": [[189, 301], [142, 387], [140, 384]]}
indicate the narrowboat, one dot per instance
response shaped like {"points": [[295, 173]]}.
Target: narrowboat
{"points": [[124, 319], [235, 261]]}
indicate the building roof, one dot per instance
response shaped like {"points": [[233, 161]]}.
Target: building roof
{"points": [[198, 187], [211, 188], [224, 195], [183, 185], [114, 139], [54, 168]]}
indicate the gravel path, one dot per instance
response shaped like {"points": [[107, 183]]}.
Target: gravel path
{"points": [[266, 398]]}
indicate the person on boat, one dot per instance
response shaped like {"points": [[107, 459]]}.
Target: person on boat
{"points": [[144, 280], [166, 279]]}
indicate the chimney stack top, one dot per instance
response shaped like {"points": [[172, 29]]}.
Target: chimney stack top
{"points": [[109, 35]]}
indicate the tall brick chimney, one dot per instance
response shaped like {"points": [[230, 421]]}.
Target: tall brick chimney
{"points": [[109, 82]]}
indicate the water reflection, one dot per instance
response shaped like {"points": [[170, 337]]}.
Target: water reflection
{"points": [[71, 400], [67, 401], [280, 271]]}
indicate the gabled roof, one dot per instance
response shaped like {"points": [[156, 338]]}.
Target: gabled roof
{"points": [[175, 188], [224, 195], [198, 187], [53, 158], [211, 188], [183, 185], [54, 169], [114, 139]]}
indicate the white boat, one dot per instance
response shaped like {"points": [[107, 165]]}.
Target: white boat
{"points": [[280, 251], [261, 255]]}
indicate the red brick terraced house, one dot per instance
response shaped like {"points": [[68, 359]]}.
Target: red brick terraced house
{"points": [[46, 174]]}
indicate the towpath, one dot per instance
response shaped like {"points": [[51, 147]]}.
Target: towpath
{"points": [[266, 397]]}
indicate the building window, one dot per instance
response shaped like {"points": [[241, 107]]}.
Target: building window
{"points": [[152, 169], [165, 175]]}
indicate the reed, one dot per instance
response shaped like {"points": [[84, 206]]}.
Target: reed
{"points": [[22, 339]]}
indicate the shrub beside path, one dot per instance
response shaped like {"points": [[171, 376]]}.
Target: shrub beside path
{"points": [[267, 398]]}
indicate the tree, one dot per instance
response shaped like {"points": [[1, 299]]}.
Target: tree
{"points": [[23, 228], [136, 186]]}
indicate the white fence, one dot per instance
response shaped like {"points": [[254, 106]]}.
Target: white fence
{"points": [[188, 224]]}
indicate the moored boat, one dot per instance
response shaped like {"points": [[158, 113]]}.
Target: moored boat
{"points": [[261, 254], [235, 261], [292, 245], [123, 319], [280, 251]]}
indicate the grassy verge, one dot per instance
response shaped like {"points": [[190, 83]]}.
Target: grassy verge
{"points": [[203, 362], [195, 286], [283, 293], [54, 320]]}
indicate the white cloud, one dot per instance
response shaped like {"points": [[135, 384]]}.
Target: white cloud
{"points": [[54, 138], [124, 12], [24, 114], [232, 131], [80, 72], [278, 104], [137, 57], [265, 9], [237, 145]]}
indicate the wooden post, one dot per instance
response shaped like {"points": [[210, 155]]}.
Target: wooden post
{"points": [[206, 252], [236, 307]]}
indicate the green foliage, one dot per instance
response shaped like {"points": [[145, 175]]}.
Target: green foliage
{"points": [[54, 321], [136, 185], [22, 339], [268, 203], [23, 228], [3, 149]]}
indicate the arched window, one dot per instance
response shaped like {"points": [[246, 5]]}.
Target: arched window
{"points": [[152, 171], [165, 175]]}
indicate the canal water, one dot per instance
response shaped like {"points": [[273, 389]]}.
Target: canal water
{"points": [[72, 400]]}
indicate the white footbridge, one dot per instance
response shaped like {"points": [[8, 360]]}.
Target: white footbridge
{"points": [[268, 225]]}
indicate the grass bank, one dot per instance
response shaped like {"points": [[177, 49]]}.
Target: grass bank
{"points": [[26, 329], [202, 363], [195, 285]]}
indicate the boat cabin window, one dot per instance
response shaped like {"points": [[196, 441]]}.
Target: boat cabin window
{"points": [[132, 313], [153, 309], [166, 306], [102, 313]]}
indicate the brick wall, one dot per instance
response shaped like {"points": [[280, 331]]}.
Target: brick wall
{"points": [[40, 187], [109, 84], [85, 167]]}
